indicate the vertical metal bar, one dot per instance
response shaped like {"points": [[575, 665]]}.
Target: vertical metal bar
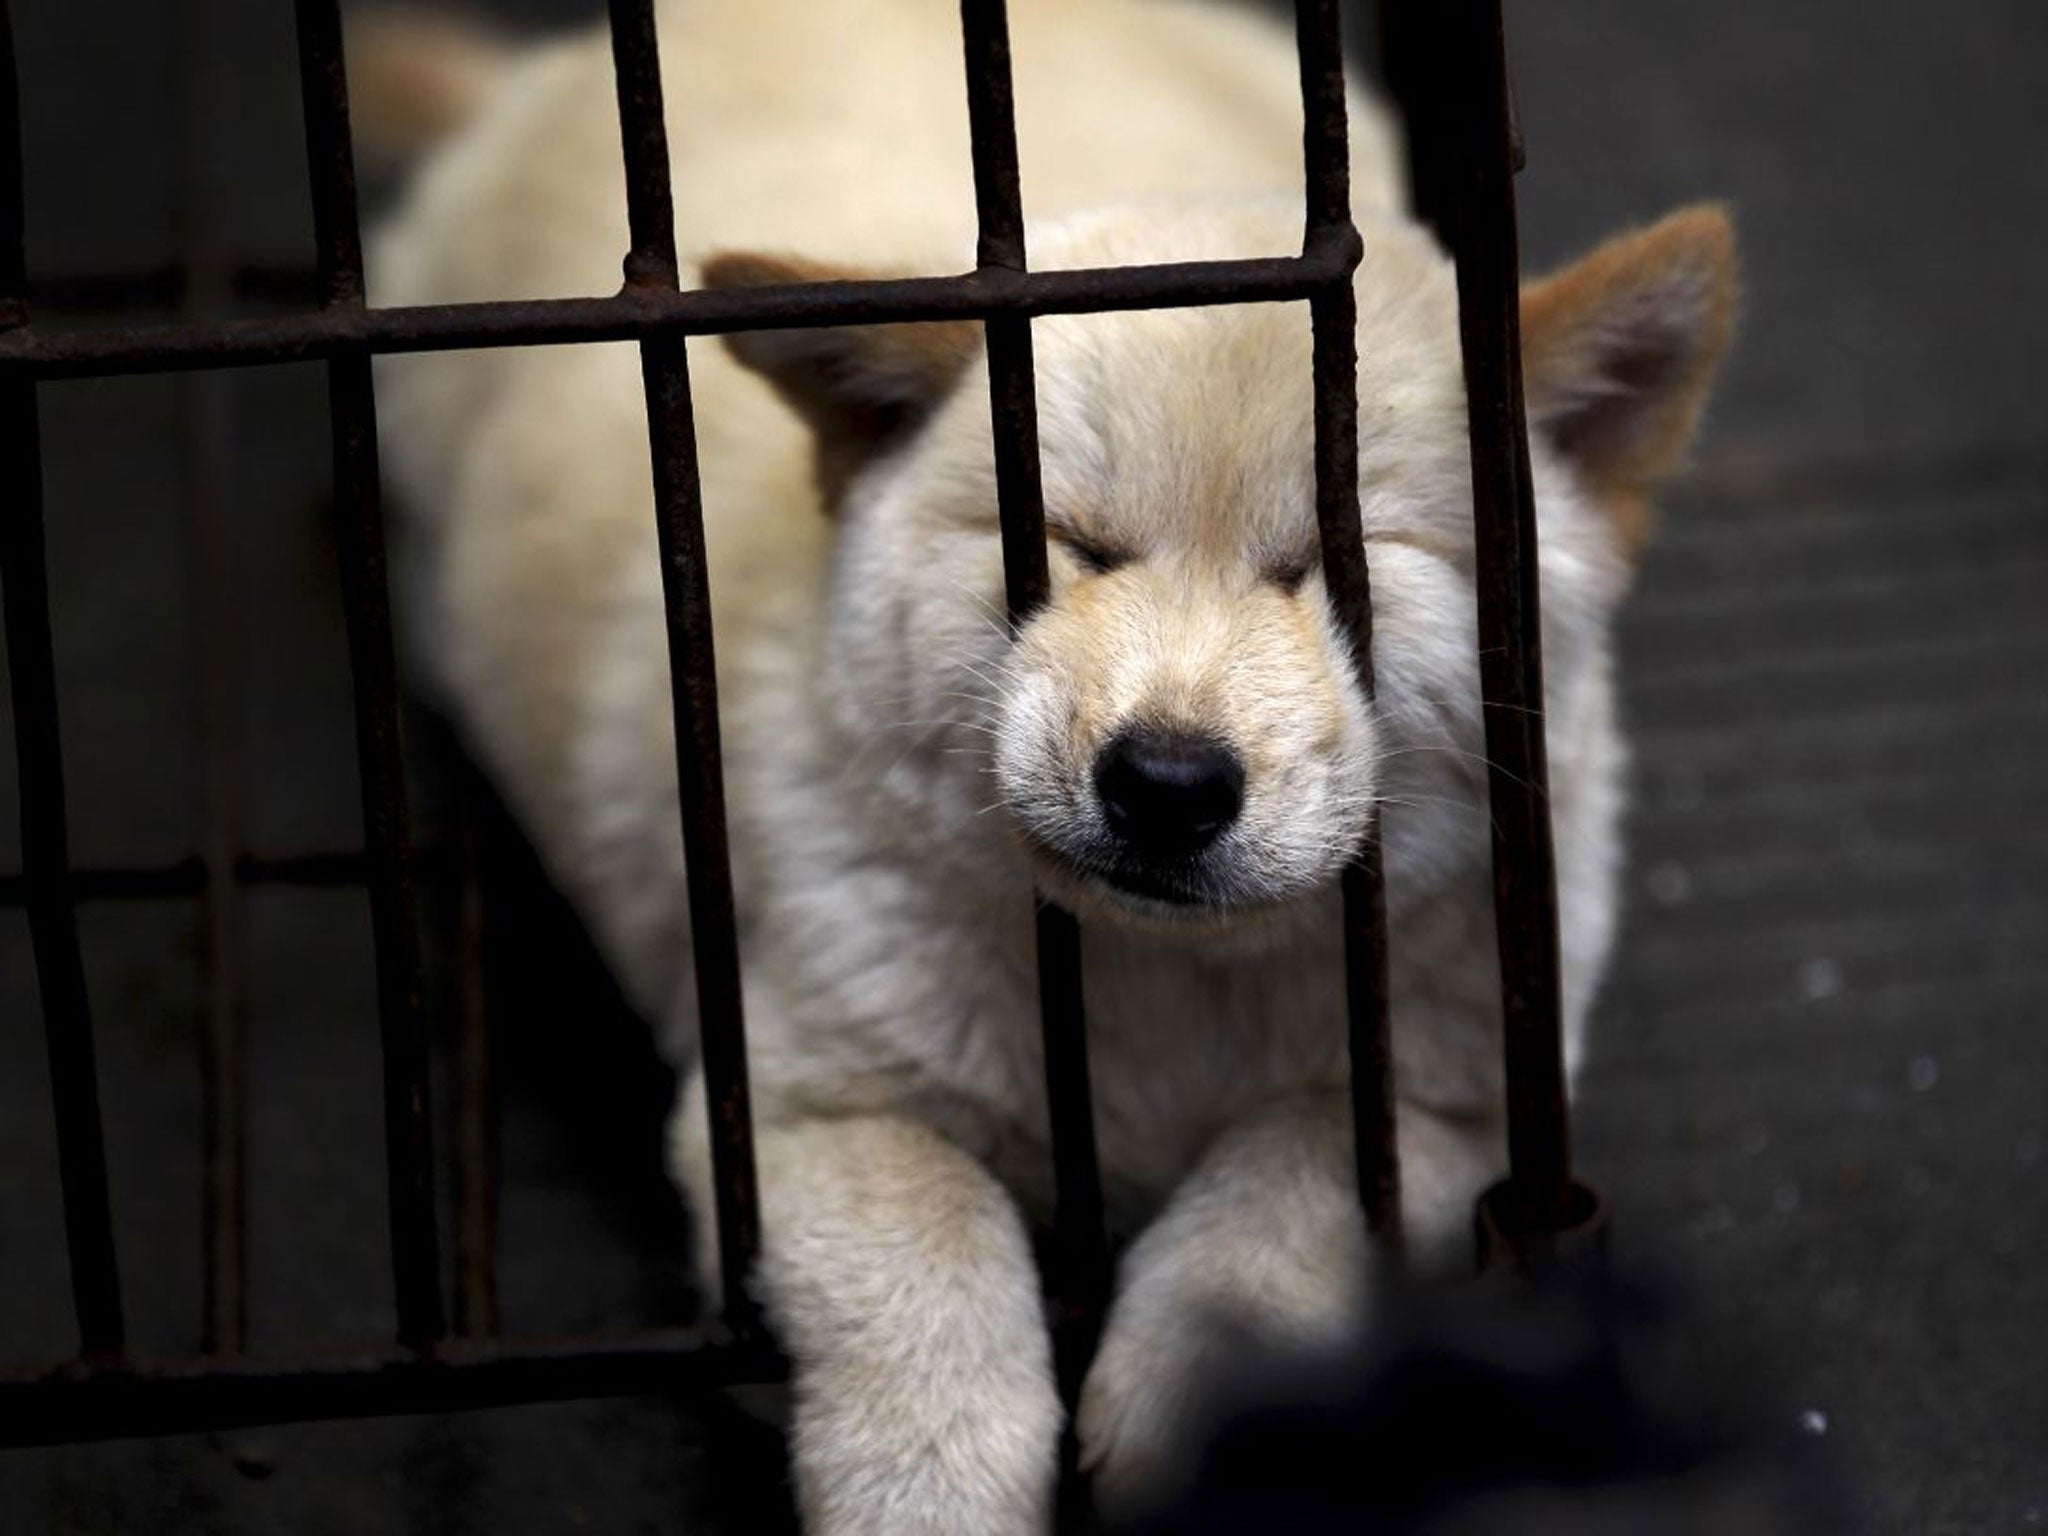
{"points": [[1474, 164], [1079, 1279], [992, 128], [394, 919], [476, 1131], [215, 615], [46, 858], [686, 596], [1334, 321]]}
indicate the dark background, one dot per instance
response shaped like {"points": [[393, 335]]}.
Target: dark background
{"points": [[1817, 1090]]}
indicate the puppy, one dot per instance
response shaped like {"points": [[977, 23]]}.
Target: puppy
{"points": [[1175, 747]]}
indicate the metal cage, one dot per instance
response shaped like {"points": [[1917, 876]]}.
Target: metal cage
{"points": [[1445, 62]]}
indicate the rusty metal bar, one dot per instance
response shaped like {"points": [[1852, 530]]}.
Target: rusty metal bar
{"points": [[394, 920], [1463, 137], [650, 268], [211, 601], [992, 130], [1333, 318], [82, 1402], [648, 311], [476, 1129], [1459, 61], [1079, 1266], [1325, 129], [46, 858], [13, 199], [643, 130], [187, 877]]}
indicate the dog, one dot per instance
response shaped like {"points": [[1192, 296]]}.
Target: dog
{"points": [[1175, 747]]}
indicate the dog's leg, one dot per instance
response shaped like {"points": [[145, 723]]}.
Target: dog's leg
{"points": [[1263, 1245], [898, 1275]]}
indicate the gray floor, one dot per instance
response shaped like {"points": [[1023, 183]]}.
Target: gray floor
{"points": [[1818, 1088]]}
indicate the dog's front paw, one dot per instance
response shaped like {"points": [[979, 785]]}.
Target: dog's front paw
{"points": [[931, 1454], [1134, 1418]]}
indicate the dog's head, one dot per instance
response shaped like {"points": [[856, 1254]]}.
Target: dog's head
{"points": [[1179, 733]]}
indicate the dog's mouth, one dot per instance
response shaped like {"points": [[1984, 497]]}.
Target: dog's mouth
{"points": [[1154, 894], [1171, 885]]}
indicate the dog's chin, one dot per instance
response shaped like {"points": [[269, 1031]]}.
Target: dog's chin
{"points": [[1172, 902]]}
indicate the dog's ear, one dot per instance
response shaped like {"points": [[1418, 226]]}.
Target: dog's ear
{"points": [[859, 387], [1618, 351]]}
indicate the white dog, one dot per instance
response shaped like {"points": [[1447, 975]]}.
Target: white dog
{"points": [[1175, 747]]}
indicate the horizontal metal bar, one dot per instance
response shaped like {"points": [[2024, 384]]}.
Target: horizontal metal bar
{"points": [[84, 1401], [183, 879], [187, 877], [643, 311]]}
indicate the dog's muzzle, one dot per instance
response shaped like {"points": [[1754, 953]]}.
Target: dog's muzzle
{"points": [[1165, 796]]}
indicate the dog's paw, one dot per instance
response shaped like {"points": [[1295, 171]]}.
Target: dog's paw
{"points": [[1133, 1420], [935, 1454]]}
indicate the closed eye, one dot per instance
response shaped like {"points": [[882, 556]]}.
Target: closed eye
{"points": [[1288, 575], [1100, 559]]}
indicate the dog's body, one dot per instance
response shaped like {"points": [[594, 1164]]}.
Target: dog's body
{"points": [[902, 770]]}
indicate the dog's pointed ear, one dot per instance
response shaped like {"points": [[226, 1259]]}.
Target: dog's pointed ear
{"points": [[1619, 349], [858, 387]]}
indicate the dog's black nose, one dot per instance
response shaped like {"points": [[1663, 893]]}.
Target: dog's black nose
{"points": [[1168, 794]]}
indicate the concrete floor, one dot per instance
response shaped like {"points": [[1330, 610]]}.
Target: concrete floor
{"points": [[1818, 1085]]}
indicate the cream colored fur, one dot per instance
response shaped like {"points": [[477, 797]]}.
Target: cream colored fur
{"points": [[901, 771]]}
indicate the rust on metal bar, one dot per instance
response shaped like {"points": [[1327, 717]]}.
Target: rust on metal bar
{"points": [[434, 861], [82, 1402], [645, 311], [1333, 318], [46, 858], [1467, 155], [476, 1129], [650, 202], [330, 154], [1325, 127], [686, 599], [187, 877], [992, 133], [1079, 1266], [223, 1108], [1446, 66], [13, 201], [394, 919], [211, 600]]}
